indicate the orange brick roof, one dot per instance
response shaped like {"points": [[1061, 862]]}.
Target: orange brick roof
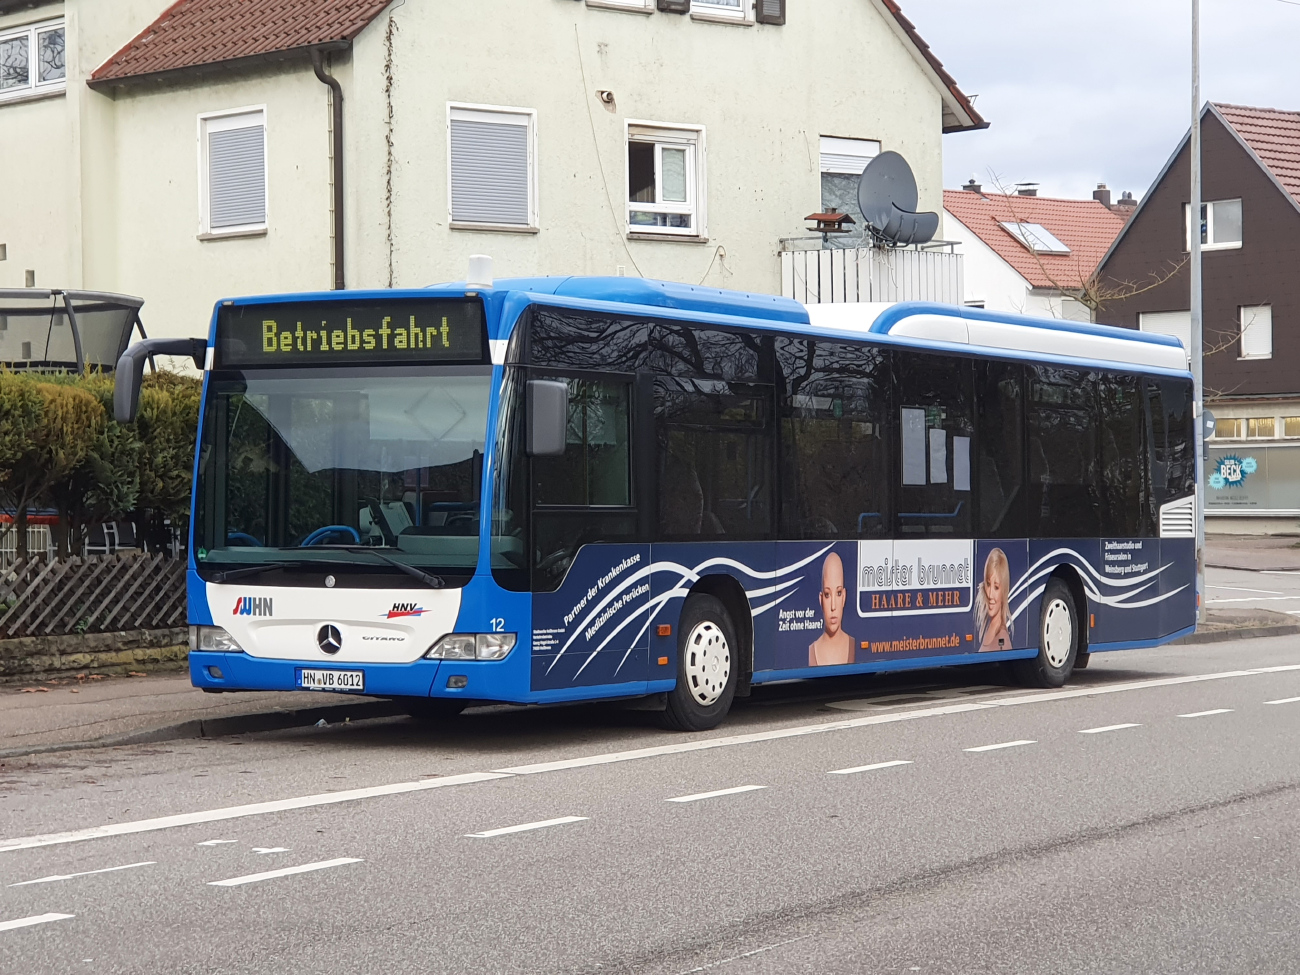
{"points": [[193, 33], [1085, 226], [1274, 135]]}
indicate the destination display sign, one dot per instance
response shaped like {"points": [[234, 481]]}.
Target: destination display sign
{"points": [[338, 333]]}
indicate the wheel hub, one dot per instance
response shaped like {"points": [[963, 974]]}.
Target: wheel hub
{"points": [[707, 663], [1058, 633]]}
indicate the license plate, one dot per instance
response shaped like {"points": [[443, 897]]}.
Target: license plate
{"points": [[332, 680]]}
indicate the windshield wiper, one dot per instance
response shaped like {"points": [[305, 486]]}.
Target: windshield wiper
{"points": [[249, 570], [432, 581]]}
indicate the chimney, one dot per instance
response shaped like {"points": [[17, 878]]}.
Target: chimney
{"points": [[973, 186], [1102, 195], [1125, 204], [1026, 189]]}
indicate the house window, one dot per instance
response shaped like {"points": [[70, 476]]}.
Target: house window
{"points": [[1220, 225], [842, 163], [729, 9], [1175, 323], [1036, 238], [1234, 428], [32, 60], [1261, 427], [1291, 426], [665, 180], [1256, 331], [232, 172], [492, 167], [641, 6]]}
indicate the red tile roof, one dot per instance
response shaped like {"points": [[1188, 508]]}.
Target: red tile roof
{"points": [[1085, 226], [967, 106], [1274, 135], [192, 33]]}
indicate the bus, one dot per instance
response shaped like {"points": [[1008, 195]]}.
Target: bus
{"points": [[570, 489]]}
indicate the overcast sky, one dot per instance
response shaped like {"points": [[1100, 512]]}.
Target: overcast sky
{"points": [[1081, 93]]}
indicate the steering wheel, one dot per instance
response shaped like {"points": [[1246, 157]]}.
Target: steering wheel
{"points": [[243, 538], [319, 534]]}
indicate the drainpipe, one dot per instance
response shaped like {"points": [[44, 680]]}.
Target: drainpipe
{"points": [[318, 64]]}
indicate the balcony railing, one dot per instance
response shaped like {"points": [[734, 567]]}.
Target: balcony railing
{"points": [[838, 274]]}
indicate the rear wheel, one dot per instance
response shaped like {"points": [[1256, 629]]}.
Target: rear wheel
{"points": [[706, 666], [1058, 640]]}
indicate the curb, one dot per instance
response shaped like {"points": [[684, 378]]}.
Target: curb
{"points": [[1244, 633], [1253, 568], [240, 724]]}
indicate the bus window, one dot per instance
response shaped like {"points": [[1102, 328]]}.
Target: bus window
{"points": [[834, 452], [934, 403], [1123, 491], [1000, 423], [585, 495], [1064, 480], [714, 459]]}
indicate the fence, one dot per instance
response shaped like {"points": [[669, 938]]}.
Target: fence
{"points": [[871, 274], [91, 594]]}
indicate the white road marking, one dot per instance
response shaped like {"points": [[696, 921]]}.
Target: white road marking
{"points": [[1285, 700], [235, 812], [27, 922], [525, 827], [1204, 714], [867, 768], [86, 873], [846, 724], [1002, 744], [1266, 592], [1250, 599], [746, 954], [720, 792], [253, 878], [270, 849], [216, 842], [1109, 727]]}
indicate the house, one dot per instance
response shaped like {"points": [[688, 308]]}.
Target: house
{"points": [[1031, 254], [188, 150], [1250, 235]]}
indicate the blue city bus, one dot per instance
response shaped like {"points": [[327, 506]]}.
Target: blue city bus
{"points": [[573, 489]]}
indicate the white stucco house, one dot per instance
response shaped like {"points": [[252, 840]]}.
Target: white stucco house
{"points": [[184, 151]]}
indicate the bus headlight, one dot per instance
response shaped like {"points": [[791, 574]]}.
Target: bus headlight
{"points": [[213, 639], [472, 646]]}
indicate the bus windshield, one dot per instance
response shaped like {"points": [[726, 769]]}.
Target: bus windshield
{"points": [[319, 466]]}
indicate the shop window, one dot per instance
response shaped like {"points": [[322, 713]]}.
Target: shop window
{"points": [[1261, 427]]}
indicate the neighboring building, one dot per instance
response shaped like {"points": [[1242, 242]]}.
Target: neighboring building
{"points": [[1030, 254], [1250, 233], [186, 151]]}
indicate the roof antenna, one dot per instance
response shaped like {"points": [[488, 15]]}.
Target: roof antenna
{"points": [[480, 271]]}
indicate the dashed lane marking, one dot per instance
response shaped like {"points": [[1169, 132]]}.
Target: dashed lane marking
{"points": [[84, 873], [1109, 727], [1001, 744], [868, 768], [27, 922], [1206, 714], [526, 827], [715, 794], [253, 878], [1285, 700]]}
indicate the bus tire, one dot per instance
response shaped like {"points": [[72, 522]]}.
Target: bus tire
{"points": [[432, 710], [1058, 640], [706, 666]]}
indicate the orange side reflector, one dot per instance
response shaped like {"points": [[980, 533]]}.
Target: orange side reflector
{"points": [[1092, 619], [866, 644], [970, 637], [663, 661], [665, 629]]}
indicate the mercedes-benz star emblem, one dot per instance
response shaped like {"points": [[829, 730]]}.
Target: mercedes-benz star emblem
{"points": [[329, 639]]}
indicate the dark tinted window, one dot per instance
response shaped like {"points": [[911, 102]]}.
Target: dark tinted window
{"points": [[932, 396], [1064, 480], [834, 450], [1173, 447], [1000, 422], [714, 458], [510, 564], [1120, 409], [687, 350]]}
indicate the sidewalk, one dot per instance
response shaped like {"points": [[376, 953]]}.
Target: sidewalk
{"points": [[1270, 553], [50, 716]]}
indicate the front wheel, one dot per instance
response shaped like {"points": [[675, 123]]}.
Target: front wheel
{"points": [[706, 667], [1058, 640]]}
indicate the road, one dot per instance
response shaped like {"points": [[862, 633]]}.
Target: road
{"points": [[1143, 819], [1237, 589]]}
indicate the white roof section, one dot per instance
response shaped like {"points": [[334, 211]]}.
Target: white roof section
{"points": [[983, 331]]}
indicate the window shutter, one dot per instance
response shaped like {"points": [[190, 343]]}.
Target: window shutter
{"points": [[769, 11], [489, 172], [237, 177], [675, 6]]}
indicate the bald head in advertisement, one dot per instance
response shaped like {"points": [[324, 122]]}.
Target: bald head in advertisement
{"points": [[834, 646]]}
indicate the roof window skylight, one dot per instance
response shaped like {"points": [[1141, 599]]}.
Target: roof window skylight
{"points": [[1035, 237]]}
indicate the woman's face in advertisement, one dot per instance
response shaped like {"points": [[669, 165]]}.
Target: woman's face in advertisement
{"points": [[993, 592]]}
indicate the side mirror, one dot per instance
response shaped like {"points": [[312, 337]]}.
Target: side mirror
{"points": [[130, 370], [548, 417]]}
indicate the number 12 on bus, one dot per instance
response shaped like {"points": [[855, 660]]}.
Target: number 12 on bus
{"points": [[567, 489]]}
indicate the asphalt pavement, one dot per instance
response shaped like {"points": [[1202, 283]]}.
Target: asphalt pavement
{"points": [[1141, 819]]}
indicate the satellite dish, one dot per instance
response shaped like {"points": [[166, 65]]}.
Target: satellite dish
{"points": [[887, 197]]}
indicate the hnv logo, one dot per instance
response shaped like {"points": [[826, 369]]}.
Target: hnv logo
{"points": [[252, 606], [401, 610]]}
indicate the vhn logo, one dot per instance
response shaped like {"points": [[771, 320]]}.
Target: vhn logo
{"points": [[252, 606], [401, 610]]}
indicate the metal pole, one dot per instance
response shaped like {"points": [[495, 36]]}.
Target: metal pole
{"points": [[1194, 220]]}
